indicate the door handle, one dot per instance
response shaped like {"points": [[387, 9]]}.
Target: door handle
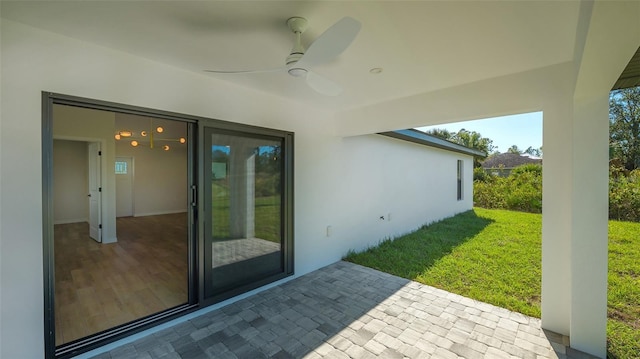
{"points": [[194, 196], [89, 195]]}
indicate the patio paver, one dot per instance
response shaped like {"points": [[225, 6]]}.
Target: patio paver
{"points": [[348, 311]]}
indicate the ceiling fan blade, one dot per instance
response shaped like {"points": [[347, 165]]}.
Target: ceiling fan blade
{"points": [[331, 43], [322, 85], [247, 71]]}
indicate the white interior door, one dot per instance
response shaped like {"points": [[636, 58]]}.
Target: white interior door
{"points": [[95, 192], [124, 186]]}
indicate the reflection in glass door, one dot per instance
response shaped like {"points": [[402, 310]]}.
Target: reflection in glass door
{"points": [[245, 242], [140, 269]]}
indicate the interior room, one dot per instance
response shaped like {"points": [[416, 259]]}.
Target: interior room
{"points": [[104, 281]]}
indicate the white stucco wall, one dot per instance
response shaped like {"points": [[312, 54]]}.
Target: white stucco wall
{"points": [[347, 183], [356, 180]]}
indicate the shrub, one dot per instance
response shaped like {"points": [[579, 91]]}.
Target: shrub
{"points": [[520, 191], [624, 195], [528, 168], [479, 174]]}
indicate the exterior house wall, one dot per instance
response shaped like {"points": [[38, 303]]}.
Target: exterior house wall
{"points": [[346, 183], [363, 178]]}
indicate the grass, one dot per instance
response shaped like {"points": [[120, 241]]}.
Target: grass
{"points": [[495, 256], [623, 327], [268, 218], [267, 215]]}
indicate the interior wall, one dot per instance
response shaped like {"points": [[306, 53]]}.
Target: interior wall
{"points": [[93, 126], [159, 178], [70, 170]]}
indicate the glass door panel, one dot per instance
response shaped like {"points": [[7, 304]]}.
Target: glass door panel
{"points": [[136, 265], [244, 241]]}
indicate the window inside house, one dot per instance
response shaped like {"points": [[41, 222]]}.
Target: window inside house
{"points": [[459, 179], [121, 167]]}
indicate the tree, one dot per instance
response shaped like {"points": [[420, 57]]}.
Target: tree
{"points": [[514, 149], [534, 151], [624, 127], [471, 139], [441, 133]]}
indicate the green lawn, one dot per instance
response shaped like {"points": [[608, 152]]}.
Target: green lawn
{"points": [[267, 215], [495, 256], [623, 328]]}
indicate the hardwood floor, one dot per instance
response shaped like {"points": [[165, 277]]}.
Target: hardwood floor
{"points": [[99, 286]]}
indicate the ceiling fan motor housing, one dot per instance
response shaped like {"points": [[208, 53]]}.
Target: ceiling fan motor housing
{"points": [[297, 72], [298, 25]]}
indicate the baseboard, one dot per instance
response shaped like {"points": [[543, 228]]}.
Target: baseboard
{"points": [[159, 213], [68, 221]]}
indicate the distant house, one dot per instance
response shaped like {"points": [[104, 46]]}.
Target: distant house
{"points": [[501, 164]]}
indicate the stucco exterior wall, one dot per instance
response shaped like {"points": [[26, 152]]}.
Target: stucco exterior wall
{"points": [[346, 183], [357, 180]]}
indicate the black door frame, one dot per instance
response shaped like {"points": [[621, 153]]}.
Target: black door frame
{"points": [[197, 204], [91, 342], [208, 128]]}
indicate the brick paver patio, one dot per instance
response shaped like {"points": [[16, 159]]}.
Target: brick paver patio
{"points": [[349, 311]]}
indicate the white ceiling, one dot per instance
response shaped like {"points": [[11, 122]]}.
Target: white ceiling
{"points": [[421, 45]]}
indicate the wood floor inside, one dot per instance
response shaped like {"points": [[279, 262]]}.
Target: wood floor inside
{"points": [[100, 286]]}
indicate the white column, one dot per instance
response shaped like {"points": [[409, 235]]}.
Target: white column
{"points": [[242, 186], [575, 220], [250, 194], [557, 216], [589, 241]]}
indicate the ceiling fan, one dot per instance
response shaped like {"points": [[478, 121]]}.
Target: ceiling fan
{"points": [[325, 48]]}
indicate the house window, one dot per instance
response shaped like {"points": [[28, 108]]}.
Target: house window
{"points": [[121, 167], [459, 179]]}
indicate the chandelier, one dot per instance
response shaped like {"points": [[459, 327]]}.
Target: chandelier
{"points": [[150, 138]]}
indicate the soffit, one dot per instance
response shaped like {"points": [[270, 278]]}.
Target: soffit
{"points": [[421, 45], [419, 137], [630, 77]]}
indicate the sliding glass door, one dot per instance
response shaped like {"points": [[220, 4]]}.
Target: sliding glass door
{"points": [[107, 271], [162, 242], [247, 201]]}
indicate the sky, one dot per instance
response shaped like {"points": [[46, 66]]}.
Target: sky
{"points": [[522, 130]]}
